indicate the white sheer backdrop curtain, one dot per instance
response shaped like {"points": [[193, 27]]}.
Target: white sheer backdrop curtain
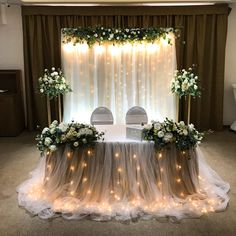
{"points": [[119, 77]]}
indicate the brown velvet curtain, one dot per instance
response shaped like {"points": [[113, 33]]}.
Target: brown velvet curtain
{"points": [[203, 31]]}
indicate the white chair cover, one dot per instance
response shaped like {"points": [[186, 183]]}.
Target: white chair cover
{"points": [[136, 115], [101, 116]]}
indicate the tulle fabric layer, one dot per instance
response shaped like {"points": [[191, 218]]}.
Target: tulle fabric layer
{"points": [[123, 181]]}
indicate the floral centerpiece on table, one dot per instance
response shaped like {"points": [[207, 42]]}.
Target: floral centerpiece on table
{"points": [[53, 83], [76, 134], [185, 83], [163, 133]]}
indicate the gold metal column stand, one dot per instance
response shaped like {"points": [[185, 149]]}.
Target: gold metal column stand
{"points": [[49, 111], [59, 108], [177, 108], [189, 109]]}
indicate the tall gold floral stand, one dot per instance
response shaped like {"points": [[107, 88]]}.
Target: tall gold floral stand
{"points": [[58, 104]]}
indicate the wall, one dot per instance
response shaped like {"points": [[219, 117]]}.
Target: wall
{"points": [[230, 69], [11, 54], [11, 41]]}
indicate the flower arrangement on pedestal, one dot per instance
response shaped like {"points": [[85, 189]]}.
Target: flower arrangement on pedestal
{"points": [[163, 133], [185, 83], [53, 84], [76, 134]]}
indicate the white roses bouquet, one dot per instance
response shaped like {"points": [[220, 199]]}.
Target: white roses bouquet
{"points": [[77, 135], [53, 83], [185, 83], [164, 133]]}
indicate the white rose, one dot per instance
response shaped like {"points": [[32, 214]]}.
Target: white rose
{"points": [[63, 127], [76, 144], [84, 140], [111, 36], [195, 87], [61, 87], [185, 132], [181, 123], [53, 148], [191, 126], [52, 131], [45, 130], [41, 90], [157, 126], [47, 141], [160, 134], [53, 68]]}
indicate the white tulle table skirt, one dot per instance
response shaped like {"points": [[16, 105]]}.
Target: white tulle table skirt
{"points": [[123, 181]]}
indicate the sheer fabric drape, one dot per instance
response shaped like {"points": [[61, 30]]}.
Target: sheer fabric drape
{"points": [[119, 77]]}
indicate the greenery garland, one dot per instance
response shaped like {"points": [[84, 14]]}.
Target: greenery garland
{"points": [[116, 35]]}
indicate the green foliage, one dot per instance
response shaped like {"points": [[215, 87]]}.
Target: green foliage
{"points": [[101, 35]]}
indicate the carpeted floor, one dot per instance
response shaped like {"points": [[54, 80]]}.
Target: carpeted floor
{"points": [[18, 156]]}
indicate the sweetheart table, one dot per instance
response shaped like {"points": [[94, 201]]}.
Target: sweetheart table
{"points": [[123, 179]]}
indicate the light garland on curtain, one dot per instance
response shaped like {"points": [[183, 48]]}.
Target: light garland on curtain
{"points": [[102, 35], [119, 73]]}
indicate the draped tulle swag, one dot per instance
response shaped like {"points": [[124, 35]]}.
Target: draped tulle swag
{"points": [[123, 182]]}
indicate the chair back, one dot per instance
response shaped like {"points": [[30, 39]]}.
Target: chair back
{"points": [[101, 116], [136, 115]]}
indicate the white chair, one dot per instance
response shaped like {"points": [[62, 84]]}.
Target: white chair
{"points": [[136, 115], [101, 116]]}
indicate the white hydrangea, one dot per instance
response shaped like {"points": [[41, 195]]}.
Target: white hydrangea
{"points": [[47, 141], [168, 137], [53, 148]]}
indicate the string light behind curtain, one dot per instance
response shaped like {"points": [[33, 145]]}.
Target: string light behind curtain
{"points": [[119, 76]]}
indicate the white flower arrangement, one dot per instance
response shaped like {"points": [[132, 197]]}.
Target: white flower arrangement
{"points": [[185, 83], [163, 133], [53, 83], [77, 135]]}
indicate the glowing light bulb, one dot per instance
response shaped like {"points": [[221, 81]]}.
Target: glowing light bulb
{"points": [[160, 155], [71, 182], [47, 178], [138, 168], [84, 164], [68, 154], [119, 169], [89, 152], [85, 179], [98, 49], [89, 191], [72, 193], [134, 156], [178, 180], [72, 168], [82, 47], [68, 47], [117, 154]]}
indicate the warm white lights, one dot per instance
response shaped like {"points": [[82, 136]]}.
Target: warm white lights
{"points": [[98, 48], [68, 47]]}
